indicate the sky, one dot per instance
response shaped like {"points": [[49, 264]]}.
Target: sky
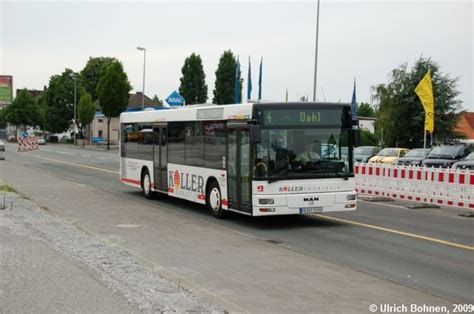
{"points": [[365, 40]]}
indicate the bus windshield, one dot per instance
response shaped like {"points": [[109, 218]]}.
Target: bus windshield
{"points": [[287, 153]]}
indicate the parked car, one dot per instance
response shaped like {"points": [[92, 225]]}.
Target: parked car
{"points": [[467, 163], [99, 140], [40, 140], [364, 153], [414, 157], [2, 149], [389, 156], [444, 156]]}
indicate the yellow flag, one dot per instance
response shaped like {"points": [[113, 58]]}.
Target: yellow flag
{"points": [[424, 90]]}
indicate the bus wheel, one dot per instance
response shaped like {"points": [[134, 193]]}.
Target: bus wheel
{"points": [[146, 185], [213, 200]]}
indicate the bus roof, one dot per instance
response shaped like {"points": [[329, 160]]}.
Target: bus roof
{"points": [[210, 112]]}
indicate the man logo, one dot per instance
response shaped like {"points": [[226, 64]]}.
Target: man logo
{"points": [[311, 199]]}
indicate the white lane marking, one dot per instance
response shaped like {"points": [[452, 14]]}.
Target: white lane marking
{"points": [[65, 153], [56, 151], [74, 164]]}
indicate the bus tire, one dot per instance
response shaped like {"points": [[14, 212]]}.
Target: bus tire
{"points": [[214, 200], [146, 184]]}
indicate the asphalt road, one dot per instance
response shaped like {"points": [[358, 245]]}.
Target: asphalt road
{"points": [[431, 250]]}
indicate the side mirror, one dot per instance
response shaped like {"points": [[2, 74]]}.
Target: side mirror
{"points": [[255, 135]]}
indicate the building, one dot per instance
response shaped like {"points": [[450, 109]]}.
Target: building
{"points": [[466, 125], [33, 92], [98, 127], [135, 102], [367, 123]]}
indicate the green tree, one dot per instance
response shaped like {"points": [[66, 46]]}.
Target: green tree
{"points": [[193, 82], [113, 89], [367, 138], [401, 115], [225, 79], [3, 119], [157, 100], [92, 72], [365, 110], [41, 106], [85, 112], [60, 100], [23, 111]]}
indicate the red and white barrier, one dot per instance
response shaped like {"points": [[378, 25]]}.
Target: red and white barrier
{"points": [[26, 144], [427, 185]]}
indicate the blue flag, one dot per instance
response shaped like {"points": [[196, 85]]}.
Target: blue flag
{"points": [[249, 83], [260, 80], [237, 83], [354, 103]]}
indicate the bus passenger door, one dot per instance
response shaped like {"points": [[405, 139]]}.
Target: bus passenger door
{"points": [[238, 167], [160, 160]]}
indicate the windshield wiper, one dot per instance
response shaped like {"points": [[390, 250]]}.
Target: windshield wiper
{"points": [[342, 175], [279, 175], [329, 172]]}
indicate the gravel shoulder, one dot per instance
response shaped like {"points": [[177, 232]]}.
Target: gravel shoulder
{"points": [[48, 265]]}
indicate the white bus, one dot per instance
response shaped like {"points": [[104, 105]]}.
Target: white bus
{"points": [[257, 159]]}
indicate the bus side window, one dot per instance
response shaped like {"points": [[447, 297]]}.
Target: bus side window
{"points": [[214, 144], [176, 139], [129, 139], [194, 144]]}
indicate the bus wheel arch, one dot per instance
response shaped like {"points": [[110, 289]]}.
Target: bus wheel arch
{"points": [[214, 198], [146, 182]]}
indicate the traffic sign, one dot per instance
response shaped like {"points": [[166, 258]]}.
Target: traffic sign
{"points": [[25, 134], [175, 99]]}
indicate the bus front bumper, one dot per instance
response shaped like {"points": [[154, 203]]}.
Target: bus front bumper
{"points": [[304, 204]]}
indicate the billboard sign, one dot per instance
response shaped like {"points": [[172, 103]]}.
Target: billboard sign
{"points": [[6, 90]]}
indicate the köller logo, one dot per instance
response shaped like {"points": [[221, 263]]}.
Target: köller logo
{"points": [[291, 189], [186, 181]]}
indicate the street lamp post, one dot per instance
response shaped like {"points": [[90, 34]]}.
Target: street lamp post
{"points": [[144, 66]]}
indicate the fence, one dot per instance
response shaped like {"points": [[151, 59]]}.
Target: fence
{"points": [[428, 185], [26, 144]]}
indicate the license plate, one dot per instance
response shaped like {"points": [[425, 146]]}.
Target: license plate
{"points": [[309, 210]]}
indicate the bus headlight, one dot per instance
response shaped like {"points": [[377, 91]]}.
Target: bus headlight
{"points": [[351, 197], [266, 201]]}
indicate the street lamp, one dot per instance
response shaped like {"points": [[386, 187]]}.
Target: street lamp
{"points": [[144, 63]]}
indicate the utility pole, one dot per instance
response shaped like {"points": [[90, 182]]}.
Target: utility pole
{"points": [[316, 56], [144, 66]]}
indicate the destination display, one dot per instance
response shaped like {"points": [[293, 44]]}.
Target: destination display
{"points": [[304, 117]]}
